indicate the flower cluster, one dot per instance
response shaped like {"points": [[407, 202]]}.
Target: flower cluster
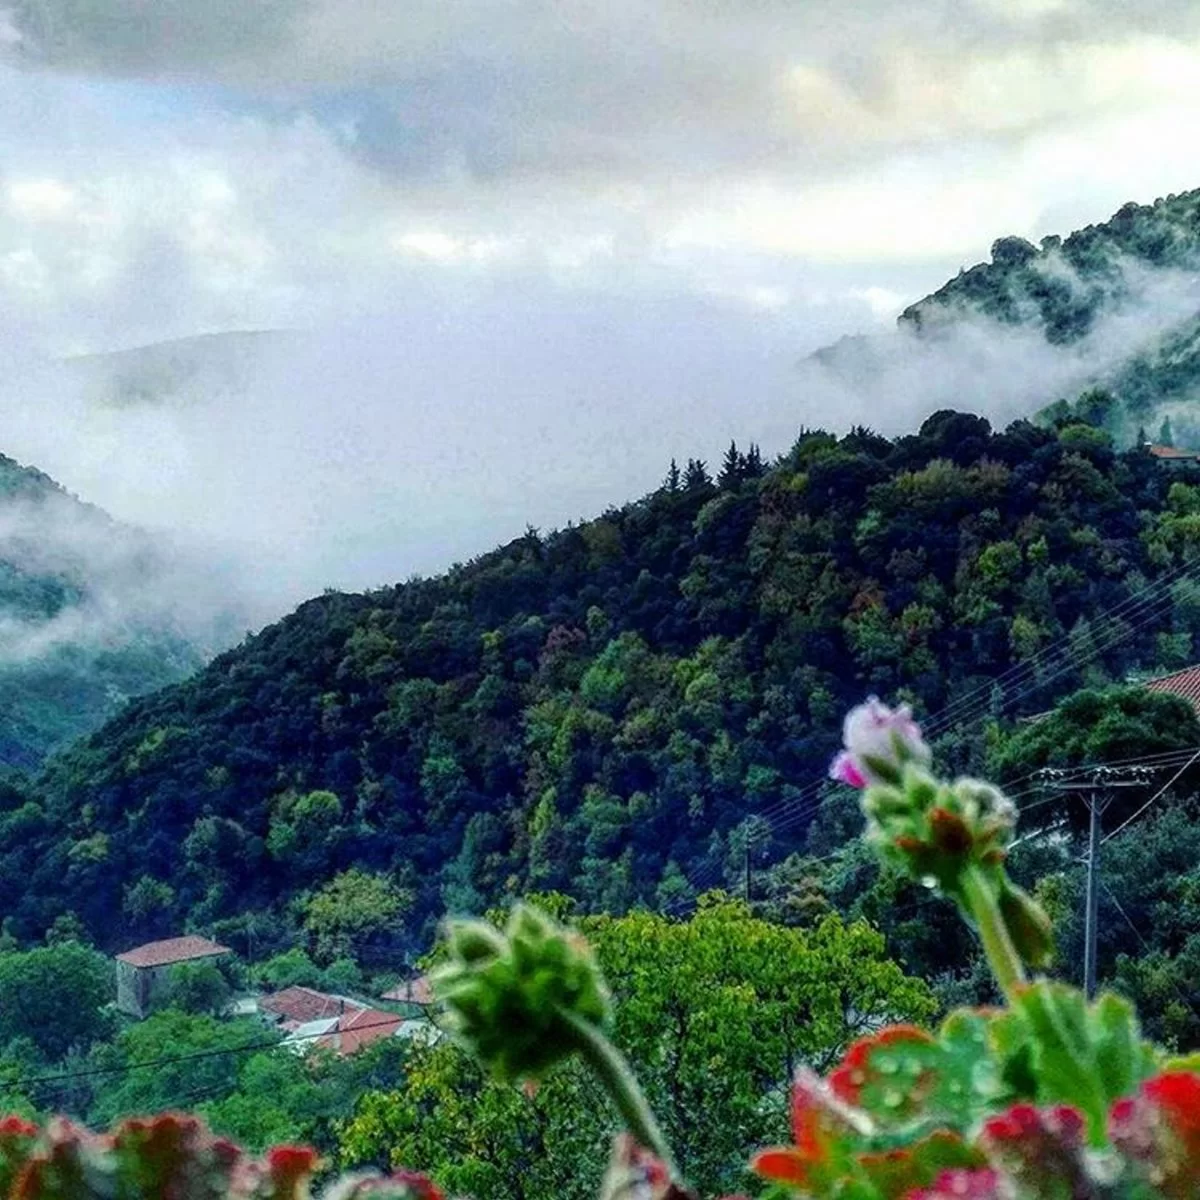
{"points": [[169, 1156], [904, 1118], [879, 743], [950, 835]]}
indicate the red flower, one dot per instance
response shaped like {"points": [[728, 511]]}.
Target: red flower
{"points": [[421, 1187], [814, 1132], [289, 1167], [1159, 1129], [1034, 1146]]}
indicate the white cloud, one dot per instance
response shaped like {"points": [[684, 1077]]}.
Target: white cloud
{"points": [[613, 226], [40, 199]]}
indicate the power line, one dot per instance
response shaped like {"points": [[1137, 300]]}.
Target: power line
{"points": [[1163, 760], [941, 722], [193, 1056], [1155, 797]]}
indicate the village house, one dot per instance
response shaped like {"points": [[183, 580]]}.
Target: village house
{"points": [[1172, 456], [1185, 684], [313, 1019], [143, 971]]}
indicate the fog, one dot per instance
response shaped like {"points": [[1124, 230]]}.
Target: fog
{"points": [[356, 455], [76, 580]]}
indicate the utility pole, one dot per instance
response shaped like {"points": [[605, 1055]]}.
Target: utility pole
{"points": [[1096, 809], [1095, 790]]}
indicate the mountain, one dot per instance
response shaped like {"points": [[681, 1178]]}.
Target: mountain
{"points": [[1130, 283], [91, 613], [608, 709], [181, 371], [600, 709]]}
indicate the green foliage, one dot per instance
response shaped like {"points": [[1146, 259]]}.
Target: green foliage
{"points": [[53, 997], [350, 909], [1097, 726], [195, 988], [171, 1060], [724, 991], [597, 710]]}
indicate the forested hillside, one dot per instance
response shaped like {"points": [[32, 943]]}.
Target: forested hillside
{"points": [[1136, 270], [85, 622], [600, 709]]}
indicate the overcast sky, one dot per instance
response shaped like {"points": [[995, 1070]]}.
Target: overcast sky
{"points": [[540, 244]]}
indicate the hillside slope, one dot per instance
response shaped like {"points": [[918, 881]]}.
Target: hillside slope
{"points": [[598, 709], [87, 616]]}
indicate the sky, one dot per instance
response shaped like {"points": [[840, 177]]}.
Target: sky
{"points": [[527, 250]]}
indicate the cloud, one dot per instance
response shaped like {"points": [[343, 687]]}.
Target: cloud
{"points": [[134, 38], [531, 90], [532, 250]]}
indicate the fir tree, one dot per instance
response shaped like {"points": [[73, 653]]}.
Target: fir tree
{"points": [[732, 468], [1165, 436], [696, 476], [672, 481]]}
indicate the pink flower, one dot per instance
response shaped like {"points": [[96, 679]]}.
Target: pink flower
{"points": [[845, 770], [878, 742]]}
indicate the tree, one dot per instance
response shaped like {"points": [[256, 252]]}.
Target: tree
{"points": [[171, 1060], [696, 477], [54, 997], [673, 479], [195, 988], [732, 468], [352, 908], [292, 967], [1165, 436], [723, 987]]}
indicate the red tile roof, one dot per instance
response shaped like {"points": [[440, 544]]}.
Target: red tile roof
{"points": [[1172, 452], [1184, 683], [299, 1005], [173, 950], [413, 991], [364, 1026]]}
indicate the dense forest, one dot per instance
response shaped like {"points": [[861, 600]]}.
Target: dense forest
{"points": [[624, 710]]}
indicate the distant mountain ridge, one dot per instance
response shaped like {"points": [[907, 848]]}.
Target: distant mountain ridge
{"points": [[174, 371]]}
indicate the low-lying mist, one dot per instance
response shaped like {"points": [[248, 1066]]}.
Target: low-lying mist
{"points": [[357, 455]]}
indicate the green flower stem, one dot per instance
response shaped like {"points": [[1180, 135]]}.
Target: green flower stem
{"points": [[622, 1087], [984, 907]]}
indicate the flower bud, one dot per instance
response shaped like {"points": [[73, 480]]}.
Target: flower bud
{"points": [[879, 743], [511, 996]]}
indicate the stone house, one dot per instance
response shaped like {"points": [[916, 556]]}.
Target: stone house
{"points": [[143, 971]]}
